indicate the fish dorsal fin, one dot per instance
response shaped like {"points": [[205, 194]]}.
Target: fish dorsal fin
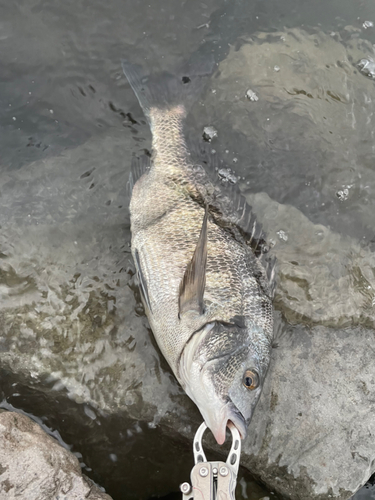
{"points": [[228, 206], [194, 281]]}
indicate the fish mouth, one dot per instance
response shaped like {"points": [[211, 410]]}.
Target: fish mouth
{"points": [[218, 423]]}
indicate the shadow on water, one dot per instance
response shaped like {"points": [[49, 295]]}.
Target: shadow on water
{"points": [[120, 454]]}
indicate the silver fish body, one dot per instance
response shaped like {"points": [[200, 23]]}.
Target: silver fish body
{"points": [[206, 294]]}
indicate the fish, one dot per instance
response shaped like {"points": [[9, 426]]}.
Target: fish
{"points": [[206, 290]]}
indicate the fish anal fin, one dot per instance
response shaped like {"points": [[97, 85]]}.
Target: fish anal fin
{"points": [[139, 166], [194, 281]]}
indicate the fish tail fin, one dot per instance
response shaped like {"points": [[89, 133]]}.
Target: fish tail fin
{"points": [[165, 90]]}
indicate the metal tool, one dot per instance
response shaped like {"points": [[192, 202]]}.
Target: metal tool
{"points": [[213, 480]]}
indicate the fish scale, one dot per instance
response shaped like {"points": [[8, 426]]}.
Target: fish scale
{"points": [[185, 241], [230, 289]]}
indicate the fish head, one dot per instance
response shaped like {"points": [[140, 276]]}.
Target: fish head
{"points": [[223, 367]]}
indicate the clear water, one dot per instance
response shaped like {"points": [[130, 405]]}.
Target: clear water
{"points": [[65, 105]]}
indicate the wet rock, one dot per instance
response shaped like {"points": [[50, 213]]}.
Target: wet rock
{"points": [[313, 431], [368, 24], [312, 436], [209, 133], [33, 466], [67, 289], [367, 67], [226, 175], [251, 95]]}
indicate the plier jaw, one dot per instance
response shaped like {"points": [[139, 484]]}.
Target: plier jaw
{"points": [[213, 480]]}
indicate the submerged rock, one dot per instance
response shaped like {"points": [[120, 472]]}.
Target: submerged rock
{"points": [[324, 278], [33, 466], [311, 133], [313, 431]]}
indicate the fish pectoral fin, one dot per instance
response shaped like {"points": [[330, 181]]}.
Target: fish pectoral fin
{"points": [[194, 281], [142, 281], [271, 274]]}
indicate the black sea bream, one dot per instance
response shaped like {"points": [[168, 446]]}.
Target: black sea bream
{"points": [[206, 294]]}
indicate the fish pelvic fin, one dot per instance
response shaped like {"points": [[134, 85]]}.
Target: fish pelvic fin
{"points": [[139, 167], [166, 90], [194, 280], [142, 282]]}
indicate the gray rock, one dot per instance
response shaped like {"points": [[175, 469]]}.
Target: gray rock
{"points": [[313, 433], [33, 466], [251, 95]]}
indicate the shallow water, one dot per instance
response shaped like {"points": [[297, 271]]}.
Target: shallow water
{"points": [[65, 270]]}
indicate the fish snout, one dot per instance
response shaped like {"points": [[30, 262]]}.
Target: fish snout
{"points": [[218, 423]]}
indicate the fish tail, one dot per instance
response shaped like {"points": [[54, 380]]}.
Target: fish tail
{"points": [[166, 90]]}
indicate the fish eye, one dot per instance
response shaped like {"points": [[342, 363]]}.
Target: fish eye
{"points": [[251, 379]]}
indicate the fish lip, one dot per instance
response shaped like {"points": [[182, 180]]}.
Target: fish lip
{"points": [[230, 414], [239, 422]]}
